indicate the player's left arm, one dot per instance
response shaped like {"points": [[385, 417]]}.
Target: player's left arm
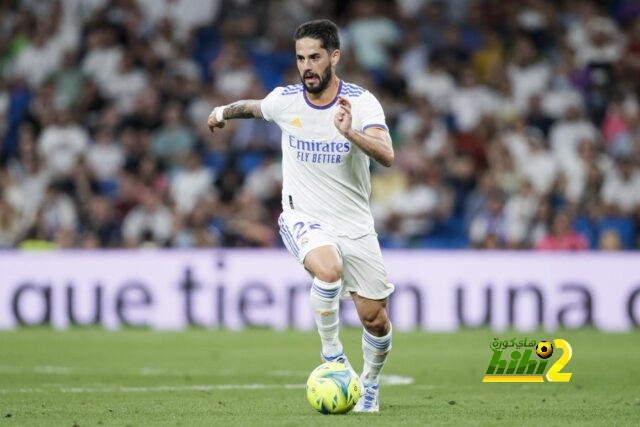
{"points": [[374, 141]]}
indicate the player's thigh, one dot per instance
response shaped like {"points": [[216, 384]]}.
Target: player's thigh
{"points": [[363, 269]]}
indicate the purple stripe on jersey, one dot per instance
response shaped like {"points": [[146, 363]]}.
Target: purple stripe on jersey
{"points": [[349, 89], [375, 125], [293, 89], [351, 94], [323, 107], [354, 86]]}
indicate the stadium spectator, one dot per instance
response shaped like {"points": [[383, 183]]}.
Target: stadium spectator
{"points": [[101, 229], [562, 236], [8, 225], [621, 188], [519, 212], [488, 229], [610, 241], [58, 213], [190, 184], [174, 139], [39, 58], [435, 84], [528, 72], [414, 208], [372, 35], [68, 81], [103, 57], [126, 84], [149, 223], [105, 156], [61, 144]]}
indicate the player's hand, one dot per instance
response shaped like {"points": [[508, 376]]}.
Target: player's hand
{"points": [[213, 122], [342, 119]]}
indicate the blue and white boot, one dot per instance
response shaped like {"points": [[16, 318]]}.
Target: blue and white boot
{"points": [[368, 401], [340, 358]]}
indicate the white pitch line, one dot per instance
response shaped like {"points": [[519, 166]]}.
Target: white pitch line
{"points": [[144, 371], [288, 373], [161, 388], [392, 380], [62, 370], [385, 379], [46, 369]]}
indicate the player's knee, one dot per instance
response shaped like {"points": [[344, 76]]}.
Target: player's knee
{"points": [[329, 272], [376, 322]]}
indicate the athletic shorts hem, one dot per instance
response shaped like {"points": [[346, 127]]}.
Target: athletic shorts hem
{"points": [[346, 293]]}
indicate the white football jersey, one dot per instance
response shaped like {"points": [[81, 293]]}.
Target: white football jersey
{"points": [[325, 176]]}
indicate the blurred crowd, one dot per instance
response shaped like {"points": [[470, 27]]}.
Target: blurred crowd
{"points": [[515, 124]]}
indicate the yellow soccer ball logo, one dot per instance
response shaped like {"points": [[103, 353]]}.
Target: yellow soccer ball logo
{"points": [[544, 349], [332, 388]]}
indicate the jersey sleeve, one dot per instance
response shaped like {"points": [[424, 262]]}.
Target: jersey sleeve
{"points": [[270, 105], [370, 112]]}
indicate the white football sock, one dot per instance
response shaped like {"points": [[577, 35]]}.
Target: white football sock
{"points": [[325, 302], [374, 351]]}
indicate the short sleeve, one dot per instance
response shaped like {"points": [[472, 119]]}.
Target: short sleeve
{"points": [[270, 104], [370, 112]]}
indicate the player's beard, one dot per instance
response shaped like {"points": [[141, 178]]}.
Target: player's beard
{"points": [[323, 81]]}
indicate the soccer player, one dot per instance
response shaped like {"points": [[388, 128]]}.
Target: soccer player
{"points": [[330, 129]]}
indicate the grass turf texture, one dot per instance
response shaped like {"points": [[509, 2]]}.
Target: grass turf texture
{"points": [[136, 377]]}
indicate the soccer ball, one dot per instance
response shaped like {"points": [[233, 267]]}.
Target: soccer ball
{"points": [[332, 388], [544, 349]]}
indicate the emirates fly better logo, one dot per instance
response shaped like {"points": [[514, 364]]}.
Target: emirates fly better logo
{"points": [[525, 361]]}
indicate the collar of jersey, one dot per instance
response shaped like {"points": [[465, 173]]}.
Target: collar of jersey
{"points": [[322, 107]]}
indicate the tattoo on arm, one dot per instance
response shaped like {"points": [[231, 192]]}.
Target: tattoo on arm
{"points": [[246, 109]]}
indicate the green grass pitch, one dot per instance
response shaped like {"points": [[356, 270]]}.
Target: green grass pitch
{"points": [[91, 377]]}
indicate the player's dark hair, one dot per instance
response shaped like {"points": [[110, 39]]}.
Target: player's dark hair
{"points": [[320, 29]]}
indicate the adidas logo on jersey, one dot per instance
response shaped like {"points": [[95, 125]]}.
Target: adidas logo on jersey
{"points": [[296, 122]]}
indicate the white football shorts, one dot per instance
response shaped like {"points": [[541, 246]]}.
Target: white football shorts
{"points": [[363, 270]]}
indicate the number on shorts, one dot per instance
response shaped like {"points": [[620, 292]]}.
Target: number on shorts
{"points": [[301, 228]]}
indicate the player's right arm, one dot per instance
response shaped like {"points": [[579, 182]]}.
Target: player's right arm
{"points": [[244, 109], [268, 109]]}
